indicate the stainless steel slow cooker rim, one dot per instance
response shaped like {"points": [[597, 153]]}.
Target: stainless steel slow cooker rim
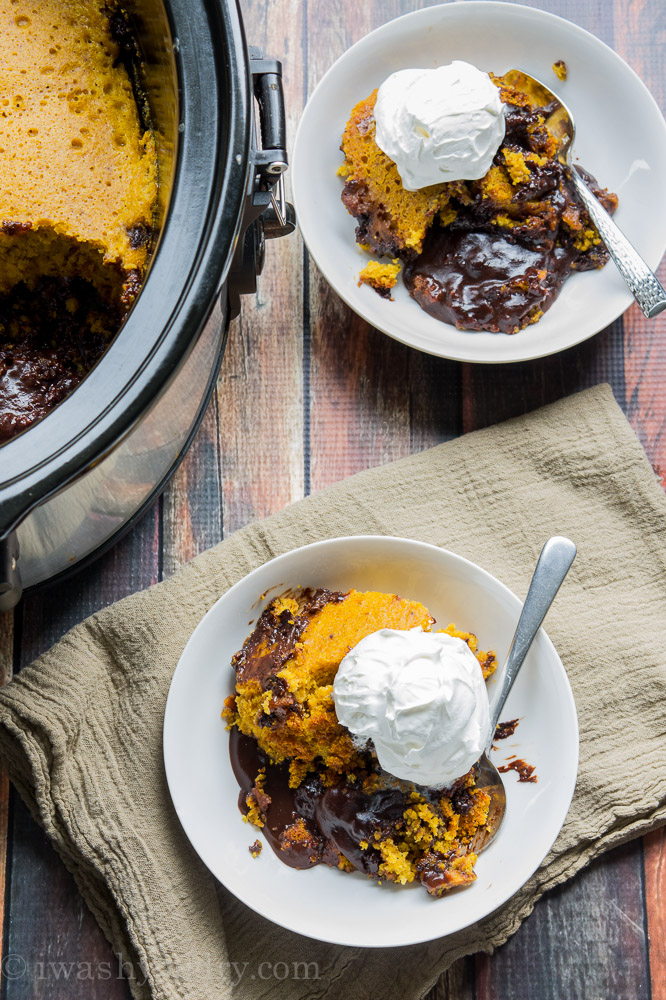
{"points": [[55, 457]]}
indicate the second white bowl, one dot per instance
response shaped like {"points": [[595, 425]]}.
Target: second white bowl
{"points": [[620, 138], [324, 903]]}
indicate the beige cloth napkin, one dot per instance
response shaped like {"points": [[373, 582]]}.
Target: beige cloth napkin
{"points": [[81, 729]]}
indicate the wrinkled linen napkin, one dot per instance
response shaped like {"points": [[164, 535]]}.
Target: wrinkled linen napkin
{"points": [[81, 729]]}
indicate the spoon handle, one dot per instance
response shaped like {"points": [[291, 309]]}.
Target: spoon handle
{"points": [[643, 283], [554, 563]]}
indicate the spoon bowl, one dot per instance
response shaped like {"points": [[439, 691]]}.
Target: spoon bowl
{"points": [[641, 281]]}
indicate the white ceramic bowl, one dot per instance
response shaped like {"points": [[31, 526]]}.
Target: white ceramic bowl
{"points": [[621, 139], [324, 903]]}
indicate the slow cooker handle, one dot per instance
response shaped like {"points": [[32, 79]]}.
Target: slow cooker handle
{"points": [[267, 78], [267, 214], [10, 575], [270, 161]]}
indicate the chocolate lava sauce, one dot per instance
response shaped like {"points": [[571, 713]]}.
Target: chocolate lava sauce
{"points": [[506, 729], [524, 770], [478, 278], [484, 281], [336, 819], [45, 349]]}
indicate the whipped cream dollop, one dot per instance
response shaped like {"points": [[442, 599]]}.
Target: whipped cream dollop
{"points": [[421, 698], [437, 125]]}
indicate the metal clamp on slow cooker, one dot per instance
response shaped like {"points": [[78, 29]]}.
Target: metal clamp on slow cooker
{"points": [[267, 213], [10, 577]]}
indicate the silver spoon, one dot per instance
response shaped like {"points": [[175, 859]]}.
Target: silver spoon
{"points": [[554, 563], [642, 282]]}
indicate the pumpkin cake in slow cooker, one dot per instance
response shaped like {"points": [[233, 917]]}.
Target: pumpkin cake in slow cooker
{"points": [[77, 198]]}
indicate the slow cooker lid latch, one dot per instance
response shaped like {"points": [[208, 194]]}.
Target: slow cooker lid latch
{"points": [[10, 575], [267, 213], [271, 159]]}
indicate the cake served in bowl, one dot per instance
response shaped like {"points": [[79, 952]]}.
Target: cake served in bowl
{"points": [[355, 730], [455, 173], [77, 199], [324, 902]]}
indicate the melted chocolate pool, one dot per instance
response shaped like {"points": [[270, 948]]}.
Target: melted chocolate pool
{"points": [[333, 821], [484, 281], [336, 819], [478, 278], [50, 338]]}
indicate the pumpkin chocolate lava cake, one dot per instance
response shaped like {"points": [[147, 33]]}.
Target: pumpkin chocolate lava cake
{"points": [[490, 253], [316, 795]]}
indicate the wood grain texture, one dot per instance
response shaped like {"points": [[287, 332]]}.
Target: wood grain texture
{"points": [[260, 394], [584, 940], [491, 394], [59, 948], [191, 512], [640, 38], [54, 947], [372, 400], [654, 846], [309, 394], [6, 671]]}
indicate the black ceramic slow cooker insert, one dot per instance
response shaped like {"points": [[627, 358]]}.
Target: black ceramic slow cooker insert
{"points": [[74, 481]]}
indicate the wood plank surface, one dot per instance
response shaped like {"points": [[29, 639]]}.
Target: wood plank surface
{"points": [[639, 24], [310, 394], [57, 949], [260, 395], [6, 671]]}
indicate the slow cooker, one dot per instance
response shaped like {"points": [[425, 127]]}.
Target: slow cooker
{"points": [[72, 483]]}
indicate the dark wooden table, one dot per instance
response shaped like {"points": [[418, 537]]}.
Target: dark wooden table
{"points": [[310, 394]]}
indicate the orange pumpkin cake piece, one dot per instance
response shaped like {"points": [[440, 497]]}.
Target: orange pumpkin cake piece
{"points": [[286, 668]]}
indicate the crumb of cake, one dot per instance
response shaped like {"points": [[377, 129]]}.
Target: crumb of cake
{"points": [[516, 166], [487, 658], [447, 215], [296, 836], [257, 802], [395, 866], [587, 239], [560, 69], [442, 872], [229, 710], [256, 848], [381, 277]]}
